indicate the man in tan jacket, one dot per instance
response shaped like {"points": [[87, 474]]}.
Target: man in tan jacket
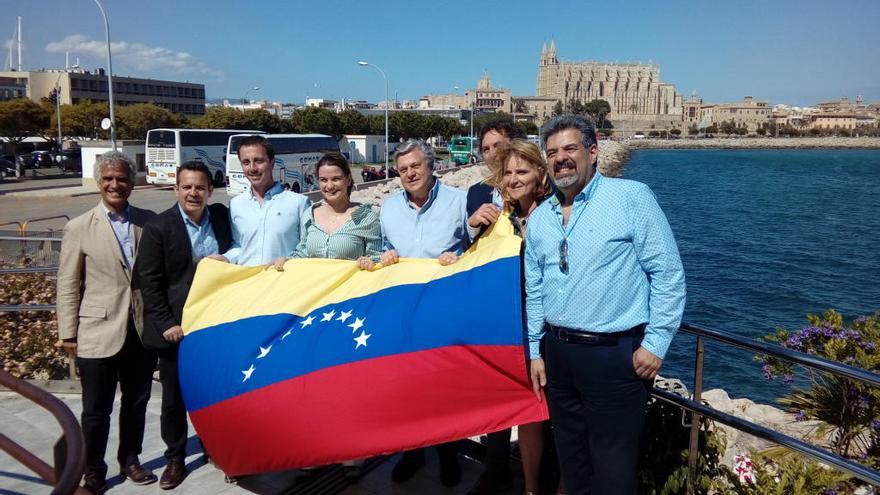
{"points": [[98, 320]]}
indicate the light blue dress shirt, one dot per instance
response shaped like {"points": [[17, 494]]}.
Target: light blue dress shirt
{"points": [[440, 225], [624, 267], [121, 225], [263, 232], [201, 235]]}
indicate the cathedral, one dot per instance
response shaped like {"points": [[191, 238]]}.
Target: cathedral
{"points": [[634, 91]]}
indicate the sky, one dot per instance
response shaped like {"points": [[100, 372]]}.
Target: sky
{"points": [[797, 52]]}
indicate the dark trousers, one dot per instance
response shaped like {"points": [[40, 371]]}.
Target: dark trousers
{"points": [[173, 419], [132, 369], [498, 454], [597, 407]]}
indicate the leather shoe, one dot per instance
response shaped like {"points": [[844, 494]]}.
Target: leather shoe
{"points": [[138, 474], [94, 484], [174, 473], [450, 472], [408, 465], [491, 484]]}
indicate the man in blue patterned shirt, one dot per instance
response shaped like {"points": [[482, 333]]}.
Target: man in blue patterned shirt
{"points": [[605, 282]]}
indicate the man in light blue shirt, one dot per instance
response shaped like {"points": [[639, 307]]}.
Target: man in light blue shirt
{"points": [[266, 219], [425, 220], [605, 282]]}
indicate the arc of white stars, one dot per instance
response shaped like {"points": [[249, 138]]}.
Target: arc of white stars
{"points": [[288, 332], [308, 321], [329, 316], [361, 339], [247, 373], [344, 316], [358, 323], [264, 351]]}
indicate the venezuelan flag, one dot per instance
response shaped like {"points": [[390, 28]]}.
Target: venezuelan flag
{"points": [[323, 362]]}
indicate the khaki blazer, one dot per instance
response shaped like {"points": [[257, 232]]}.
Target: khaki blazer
{"points": [[94, 297]]}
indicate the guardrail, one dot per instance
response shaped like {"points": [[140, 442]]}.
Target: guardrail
{"points": [[69, 452], [698, 409]]}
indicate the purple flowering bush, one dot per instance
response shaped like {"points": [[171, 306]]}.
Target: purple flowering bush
{"points": [[849, 411]]}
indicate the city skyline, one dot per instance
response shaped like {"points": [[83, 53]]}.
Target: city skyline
{"points": [[797, 53]]}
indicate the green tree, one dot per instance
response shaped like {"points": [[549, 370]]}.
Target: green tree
{"points": [[527, 127], [728, 127], [133, 121], [576, 107], [675, 132], [519, 105], [377, 124], [693, 130], [559, 108], [221, 118], [262, 120], [598, 109], [407, 125], [83, 120], [21, 118], [354, 122], [317, 120]]}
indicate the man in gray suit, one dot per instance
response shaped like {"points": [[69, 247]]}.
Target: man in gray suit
{"points": [[98, 320]]}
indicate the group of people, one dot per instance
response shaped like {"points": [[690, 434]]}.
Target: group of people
{"points": [[603, 290]]}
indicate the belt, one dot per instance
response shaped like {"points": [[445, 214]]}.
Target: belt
{"points": [[576, 336]]}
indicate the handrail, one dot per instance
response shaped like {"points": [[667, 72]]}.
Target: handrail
{"points": [[18, 308], [25, 238], [72, 437], [780, 352], [24, 226], [30, 269], [694, 406], [859, 471]]}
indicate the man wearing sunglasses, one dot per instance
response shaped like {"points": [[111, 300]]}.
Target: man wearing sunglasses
{"points": [[605, 283]]}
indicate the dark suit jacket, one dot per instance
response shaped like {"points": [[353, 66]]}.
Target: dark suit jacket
{"points": [[478, 195], [164, 269]]}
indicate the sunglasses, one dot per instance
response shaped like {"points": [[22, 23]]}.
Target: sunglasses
{"points": [[563, 256]]}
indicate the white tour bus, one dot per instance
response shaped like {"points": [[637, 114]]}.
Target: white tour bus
{"points": [[295, 159], [167, 149]]}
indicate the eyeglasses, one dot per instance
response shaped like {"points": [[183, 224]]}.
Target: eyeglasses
{"points": [[563, 256]]}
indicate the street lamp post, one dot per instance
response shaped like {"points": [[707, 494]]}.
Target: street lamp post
{"points": [[109, 76], [58, 110], [246, 93], [365, 64]]}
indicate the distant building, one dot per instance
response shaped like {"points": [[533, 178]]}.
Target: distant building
{"points": [[749, 114], [80, 85], [638, 99], [12, 87], [484, 98], [835, 120]]}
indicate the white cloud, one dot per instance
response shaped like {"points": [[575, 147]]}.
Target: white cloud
{"points": [[147, 60]]}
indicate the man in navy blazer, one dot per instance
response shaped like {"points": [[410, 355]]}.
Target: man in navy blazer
{"points": [[171, 246]]}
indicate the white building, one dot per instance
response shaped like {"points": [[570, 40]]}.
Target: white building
{"points": [[132, 148], [363, 148]]}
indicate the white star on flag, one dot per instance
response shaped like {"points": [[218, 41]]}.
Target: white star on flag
{"points": [[358, 323], [264, 351], [328, 316], [344, 316], [288, 332], [308, 321], [362, 339], [247, 373]]}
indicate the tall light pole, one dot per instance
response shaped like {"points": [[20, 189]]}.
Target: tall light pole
{"points": [[365, 64], [58, 109], [109, 76], [246, 93]]}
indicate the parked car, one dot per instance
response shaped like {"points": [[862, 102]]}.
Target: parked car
{"points": [[370, 172], [71, 161], [7, 167], [42, 159]]}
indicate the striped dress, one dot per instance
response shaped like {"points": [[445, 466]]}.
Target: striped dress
{"points": [[359, 236]]}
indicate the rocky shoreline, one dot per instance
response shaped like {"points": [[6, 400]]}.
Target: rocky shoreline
{"points": [[754, 143]]}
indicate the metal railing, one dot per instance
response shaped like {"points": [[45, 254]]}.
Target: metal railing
{"points": [[69, 452], [698, 409]]}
